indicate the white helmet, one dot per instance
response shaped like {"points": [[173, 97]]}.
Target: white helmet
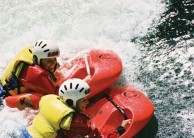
{"points": [[45, 49], [73, 90]]}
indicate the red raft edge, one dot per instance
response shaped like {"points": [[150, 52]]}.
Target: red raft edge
{"points": [[25, 100]]}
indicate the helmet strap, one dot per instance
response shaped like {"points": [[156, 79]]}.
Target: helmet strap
{"points": [[35, 59], [56, 65]]}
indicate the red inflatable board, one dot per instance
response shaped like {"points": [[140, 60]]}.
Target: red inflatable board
{"points": [[131, 104], [104, 66]]}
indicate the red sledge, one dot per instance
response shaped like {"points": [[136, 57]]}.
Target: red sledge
{"points": [[117, 104], [103, 65]]}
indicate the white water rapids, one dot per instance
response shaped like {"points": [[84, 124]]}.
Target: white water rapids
{"points": [[74, 26]]}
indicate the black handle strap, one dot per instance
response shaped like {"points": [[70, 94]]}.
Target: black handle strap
{"points": [[117, 106]]}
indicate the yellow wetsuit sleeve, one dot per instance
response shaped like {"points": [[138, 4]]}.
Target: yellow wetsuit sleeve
{"points": [[66, 122]]}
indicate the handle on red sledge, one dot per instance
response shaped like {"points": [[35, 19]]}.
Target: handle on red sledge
{"points": [[87, 64], [118, 107]]}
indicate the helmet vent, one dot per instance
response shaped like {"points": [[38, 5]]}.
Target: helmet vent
{"points": [[71, 85], [36, 44], [40, 43], [81, 89], [65, 87], [62, 91], [46, 50], [76, 86], [43, 45]]}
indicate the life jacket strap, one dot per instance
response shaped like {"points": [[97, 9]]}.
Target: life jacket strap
{"points": [[14, 81]]}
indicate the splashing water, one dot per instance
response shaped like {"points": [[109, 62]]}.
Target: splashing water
{"points": [[75, 26]]}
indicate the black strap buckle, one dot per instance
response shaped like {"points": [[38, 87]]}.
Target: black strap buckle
{"points": [[12, 84]]}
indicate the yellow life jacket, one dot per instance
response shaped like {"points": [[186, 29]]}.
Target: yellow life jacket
{"points": [[14, 68], [53, 115]]}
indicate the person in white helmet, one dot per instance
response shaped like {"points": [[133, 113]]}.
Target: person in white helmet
{"points": [[31, 70], [61, 116]]}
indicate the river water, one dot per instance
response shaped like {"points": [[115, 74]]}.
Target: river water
{"points": [[154, 39]]}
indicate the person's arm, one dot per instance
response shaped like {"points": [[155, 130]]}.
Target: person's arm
{"points": [[36, 79]]}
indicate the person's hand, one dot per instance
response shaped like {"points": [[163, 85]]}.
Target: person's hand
{"points": [[87, 78], [126, 123]]}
